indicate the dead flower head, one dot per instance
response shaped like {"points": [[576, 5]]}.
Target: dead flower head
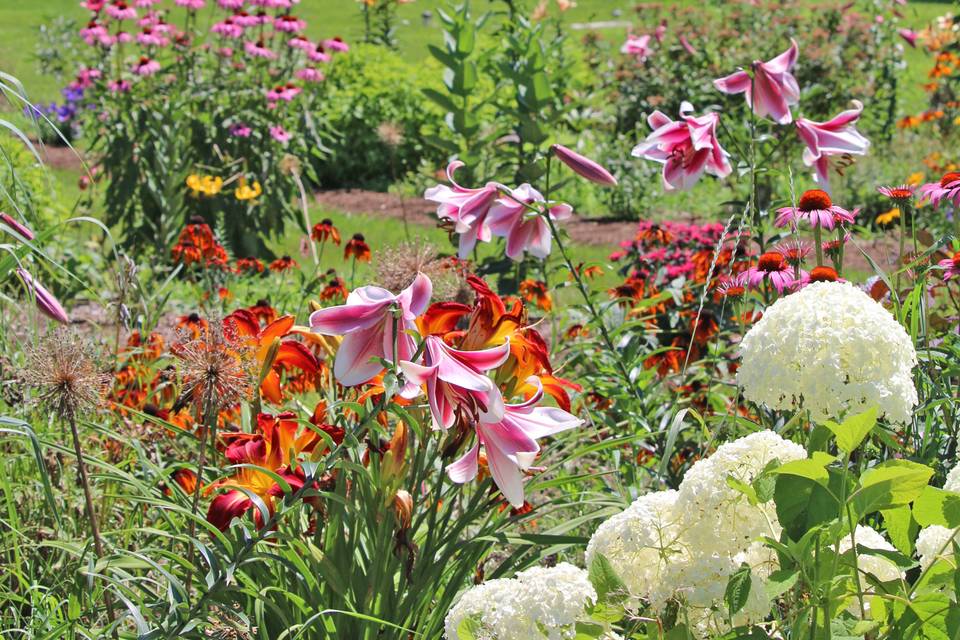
{"points": [[62, 369], [399, 264], [217, 368]]}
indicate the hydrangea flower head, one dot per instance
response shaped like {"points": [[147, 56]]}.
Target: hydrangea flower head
{"points": [[830, 349]]}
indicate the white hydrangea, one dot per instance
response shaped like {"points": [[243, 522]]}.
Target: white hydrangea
{"points": [[953, 480], [881, 568], [537, 603], [829, 348], [934, 543], [641, 541], [718, 519]]}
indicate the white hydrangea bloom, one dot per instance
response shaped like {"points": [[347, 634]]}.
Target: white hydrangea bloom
{"points": [[953, 480], [537, 603], [934, 543], [640, 541], [718, 519], [831, 349], [881, 568]]}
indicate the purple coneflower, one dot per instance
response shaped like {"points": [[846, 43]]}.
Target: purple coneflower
{"points": [[299, 42], [258, 50], [120, 10], [318, 54], [772, 267], [191, 5], [817, 209], [336, 44], [289, 24], [279, 134], [228, 28], [950, 266], [947, 189], [899, 194], [146, 67], [310, 74]]}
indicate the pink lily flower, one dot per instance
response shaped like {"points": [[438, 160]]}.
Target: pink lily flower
{"points": [[466, 208], [510, 443], [686, 148], [775, 86], [46, 302], [910, 36], [835, 137], [524, 229], [638, 47], [366, 323], [455, 379]]}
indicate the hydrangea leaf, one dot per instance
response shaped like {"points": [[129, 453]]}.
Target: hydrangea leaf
{"points": [[738, 589], [890, 484], [851, 432], [936, 506]]}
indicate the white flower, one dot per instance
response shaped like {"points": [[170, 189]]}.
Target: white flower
{"points": [[537, 603], [830, 349], [718, 519], [640, 542], [881, 568], [934, 543], [953, 480]]}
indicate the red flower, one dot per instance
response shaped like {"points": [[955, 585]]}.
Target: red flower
{"points": [[324, 230], [358, 248], [283, 264]]}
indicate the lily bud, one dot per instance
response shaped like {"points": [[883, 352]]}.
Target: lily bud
{"points": [[272, 352], [403, 508], [583, 166], [16, 227], [46, 302]]}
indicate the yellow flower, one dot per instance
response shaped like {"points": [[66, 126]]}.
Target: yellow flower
{"points": [[888, 216], [204, 185], [247, 192], [915, 179]]}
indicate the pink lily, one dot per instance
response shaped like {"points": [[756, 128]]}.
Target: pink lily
{"points": [[455, 380], [775, 86], [510, 443], [584, 166], [524, 229], [910, 36], [367, 323], [466, 208], [686, 148], [835, 137], [638, 47], [46, 302], [18, 229]]}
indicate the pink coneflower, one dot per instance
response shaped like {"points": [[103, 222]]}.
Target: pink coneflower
{"points": [[86, 77], [161, 26], [898, 194], [93, 5], [258, 50], [264, 18], [190, 5], [285, 92], [273, 4], [145, 4], [118, 86], [832, 247], [817, 209], [947, 189], [228, 28], [950, 266], [146, 67], [299, 42], [794, 251], [310, 74], [245, 19], [93, 33], [772, 267], [240, 130], [279, 134], [231, 4], [336, 44], [732, 286], [227, 52], [289, 24], [318, 54], [150, 38], [120, 10]]}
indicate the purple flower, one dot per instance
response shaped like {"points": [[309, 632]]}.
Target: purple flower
{"points": [[279, 134], [240, 130], [46, 302]]}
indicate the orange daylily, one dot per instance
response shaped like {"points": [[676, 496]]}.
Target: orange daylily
{"points": [[289, 353]]}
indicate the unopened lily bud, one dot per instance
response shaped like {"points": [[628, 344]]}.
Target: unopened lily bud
{"points": [[403, 508], [272, 352], [583, 166], [46, 302]]}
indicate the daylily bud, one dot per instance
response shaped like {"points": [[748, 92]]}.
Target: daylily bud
{"points": [[584, 166], [315, 306], [394, 459], [46, 302], [17, 228], [403, 508], [269, 359]]}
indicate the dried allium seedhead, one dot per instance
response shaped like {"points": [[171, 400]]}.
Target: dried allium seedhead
{"points": [[390, 134], [218, 368], [399, 264], [62, 369]]}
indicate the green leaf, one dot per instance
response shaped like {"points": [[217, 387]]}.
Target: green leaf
{"points": [[739, 485], [610, 588], [890, 484], [738, 589], [851, 432], [781, 581], [802, 503], [936, 506], [810, 468], [440, 98], [588, 631], [468, 629], [902, 527]]}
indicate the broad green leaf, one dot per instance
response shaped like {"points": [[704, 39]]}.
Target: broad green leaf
{"points": [[608, 585], [739, 485], [890, 484], [738, 589], [936, 506], [851, 432], [802, 503], [810, 468], [902, 527], [468, 629], [781, 581]]}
